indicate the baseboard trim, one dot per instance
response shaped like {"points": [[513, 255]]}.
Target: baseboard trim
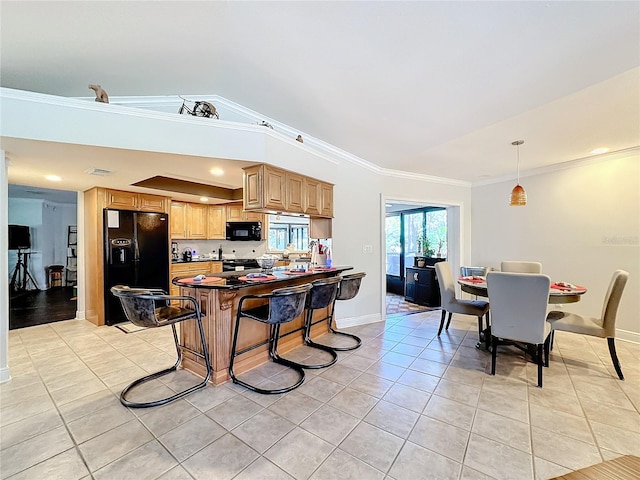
{"points": [[627, 336], [5, 374], [355, 321], [80, 315]]}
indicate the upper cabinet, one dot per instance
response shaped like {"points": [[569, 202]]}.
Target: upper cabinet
{"points": [[217, 222], [189, 220], [134, 201], [273, 190]]}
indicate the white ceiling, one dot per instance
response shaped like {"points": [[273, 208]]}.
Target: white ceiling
{"points": [[438, 88]]}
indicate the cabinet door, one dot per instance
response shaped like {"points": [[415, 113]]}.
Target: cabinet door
{"points": [[252, 187], [326, 200], [216, 267], [234, 213], [151, 203], [121, 200], [275, 183], [312, 196], [178, 220], [217, 222], [197, 216], [294, 189], [410, 284]]}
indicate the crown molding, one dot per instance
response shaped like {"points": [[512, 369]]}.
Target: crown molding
{"points": [[579, 162]]}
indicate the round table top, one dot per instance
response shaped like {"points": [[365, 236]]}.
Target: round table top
{"points": [[559, 292]]}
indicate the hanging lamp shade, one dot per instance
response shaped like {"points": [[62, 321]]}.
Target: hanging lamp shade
{"points": [[518, 195]]}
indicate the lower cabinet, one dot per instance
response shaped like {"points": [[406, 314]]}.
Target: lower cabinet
{"points": [[193, 269], [421, 286]]}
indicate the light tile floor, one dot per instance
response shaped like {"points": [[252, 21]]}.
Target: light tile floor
{"points": [[405, 406]]}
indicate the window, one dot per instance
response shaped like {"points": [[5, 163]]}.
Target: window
{"points": [[285, 230], [405, 232], [394, 245]]}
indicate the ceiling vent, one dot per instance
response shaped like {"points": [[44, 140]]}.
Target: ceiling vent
{"points": [[101, 172]]}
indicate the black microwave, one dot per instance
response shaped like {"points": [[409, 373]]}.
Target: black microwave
{"points": [[244, 231]]}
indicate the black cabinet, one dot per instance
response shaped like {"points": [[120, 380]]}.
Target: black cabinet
{"points": [[421, 286]]}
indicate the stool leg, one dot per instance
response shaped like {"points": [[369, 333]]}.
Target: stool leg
{"points": [[156, 403], [337, 332], [306, 337], [274, 335]]}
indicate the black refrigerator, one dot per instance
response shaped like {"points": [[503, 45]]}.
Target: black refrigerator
{"points": [[136, 254]]}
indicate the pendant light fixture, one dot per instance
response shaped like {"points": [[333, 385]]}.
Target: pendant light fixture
{"points": [[518, 195]]}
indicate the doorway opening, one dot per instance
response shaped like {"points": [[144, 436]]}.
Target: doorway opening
{"points": [[417, 235], [43, 258]]}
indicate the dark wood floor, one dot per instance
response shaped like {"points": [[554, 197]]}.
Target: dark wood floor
{"points": [[36, 307]]}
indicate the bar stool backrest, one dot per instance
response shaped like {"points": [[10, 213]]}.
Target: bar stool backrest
{"points": [[287, 304], [139, 310], [350, 286], [323, 292]]}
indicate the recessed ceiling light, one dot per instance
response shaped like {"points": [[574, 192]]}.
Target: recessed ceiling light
{"points": [[204, 199], [217, 171], [598, 151], [53, 178], [388, 205]]}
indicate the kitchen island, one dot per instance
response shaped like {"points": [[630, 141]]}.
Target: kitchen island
{"points": [[218, 296]]}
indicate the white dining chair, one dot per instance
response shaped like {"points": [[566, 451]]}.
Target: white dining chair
{"points": [[603, 327], [451, 304], [518, 312], [521, 267]]}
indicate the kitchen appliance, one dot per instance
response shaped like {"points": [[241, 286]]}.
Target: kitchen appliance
{"points": [[175, 254], [244, 231], [229, 265], [136, 253]]}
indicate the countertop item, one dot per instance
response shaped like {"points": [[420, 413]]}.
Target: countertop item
{"points": [[236, 280]]}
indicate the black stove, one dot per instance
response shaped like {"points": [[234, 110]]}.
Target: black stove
{"points": [[230, 265]]}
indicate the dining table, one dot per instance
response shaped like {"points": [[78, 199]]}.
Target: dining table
{"points": [[559, 293]]}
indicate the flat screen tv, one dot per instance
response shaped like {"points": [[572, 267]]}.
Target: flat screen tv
{"points": [[19, 237]]}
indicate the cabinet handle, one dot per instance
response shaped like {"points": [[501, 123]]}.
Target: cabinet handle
{"points": [[415, 277]]}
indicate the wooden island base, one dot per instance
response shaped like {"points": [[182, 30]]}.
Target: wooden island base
{"points": [[219, 308]]}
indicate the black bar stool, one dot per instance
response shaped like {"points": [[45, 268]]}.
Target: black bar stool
{"points": [[139, 305], [322, 295], [348, 289], [285, 305]]}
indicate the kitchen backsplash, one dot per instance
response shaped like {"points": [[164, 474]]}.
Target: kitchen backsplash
{"points": [[229, 249]]}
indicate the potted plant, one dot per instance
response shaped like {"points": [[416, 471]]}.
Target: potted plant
{"points": [[425, 248]]}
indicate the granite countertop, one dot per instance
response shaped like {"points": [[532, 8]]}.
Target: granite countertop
{"points": [[196, 261], [232, 279]]}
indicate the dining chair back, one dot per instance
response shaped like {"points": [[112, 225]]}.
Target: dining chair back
{"points": [[604, 327], [451, 304], [518, 311], [521, 267]]}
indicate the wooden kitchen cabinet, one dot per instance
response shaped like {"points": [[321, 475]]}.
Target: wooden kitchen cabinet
{"points": [[197, 217], [326, 200], [120, 200], [189, 221], [235, 213], [191, 269], [273, 190], [217, 219], [264, 187], [178, 220], [295, 193], [312, 196]]}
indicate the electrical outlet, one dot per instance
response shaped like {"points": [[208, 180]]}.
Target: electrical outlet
{"points": [[367, 248]]}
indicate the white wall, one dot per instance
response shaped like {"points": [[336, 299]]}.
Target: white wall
{"points": [[582, 223]]}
